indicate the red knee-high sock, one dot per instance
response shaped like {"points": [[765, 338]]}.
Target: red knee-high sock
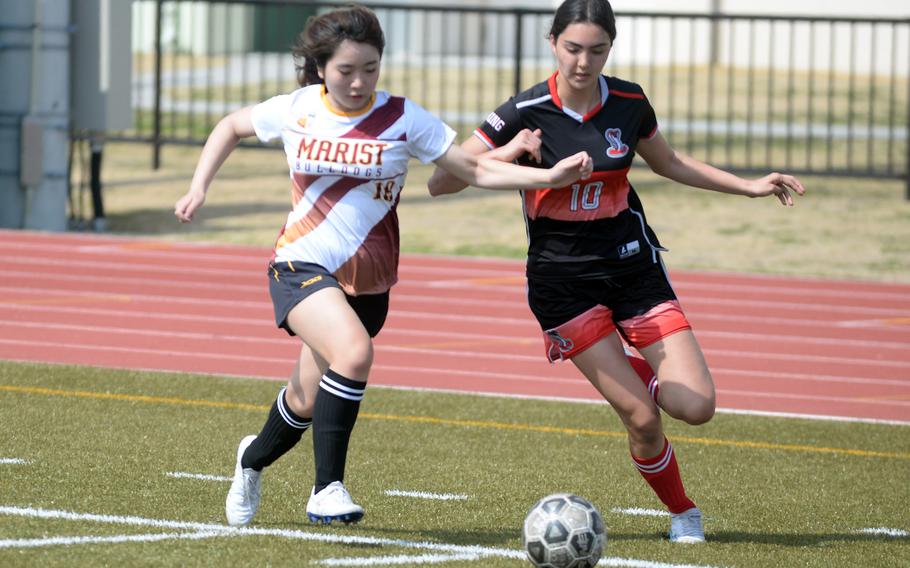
{"points": [[646, 374], [662, 474]]}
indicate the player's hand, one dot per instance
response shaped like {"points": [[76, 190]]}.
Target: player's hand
{"points": [[573, 168], [777, 184], [525, 142], [188, 205]]}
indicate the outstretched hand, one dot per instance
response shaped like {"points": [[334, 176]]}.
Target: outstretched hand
{"points": [[575, 167], [188, 205], [777, 184]]}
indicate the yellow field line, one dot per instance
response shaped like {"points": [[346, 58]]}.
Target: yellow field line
{"points": [[461, 423]]}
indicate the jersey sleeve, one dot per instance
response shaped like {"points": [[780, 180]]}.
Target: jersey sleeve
{"points": [[270, 116], [428, 136], [648, 121], [500, 126]]}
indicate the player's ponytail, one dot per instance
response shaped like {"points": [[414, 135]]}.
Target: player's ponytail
{"points": [[597, 12], [322, 35]]}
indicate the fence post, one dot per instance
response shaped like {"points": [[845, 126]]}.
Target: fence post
{"points": [[519, 32], [156, 134]]}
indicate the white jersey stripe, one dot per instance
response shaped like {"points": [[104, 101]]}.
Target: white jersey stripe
{"points": [[532, 102]]}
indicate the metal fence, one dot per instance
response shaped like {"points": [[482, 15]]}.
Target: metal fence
{"points": [[750, 93]]}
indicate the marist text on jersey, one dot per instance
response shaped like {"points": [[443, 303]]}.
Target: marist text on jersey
{"points": [[340, 156]]}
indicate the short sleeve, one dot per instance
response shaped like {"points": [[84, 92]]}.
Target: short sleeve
{"points": [[648, 127], [270, 116], [428, 137], [500, 126]]}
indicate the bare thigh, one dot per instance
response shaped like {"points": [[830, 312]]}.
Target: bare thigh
{"points": [[686, 386], [605, 365], [331, 329]]}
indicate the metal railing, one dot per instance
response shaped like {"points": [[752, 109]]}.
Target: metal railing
{"points": [[750, 93]]}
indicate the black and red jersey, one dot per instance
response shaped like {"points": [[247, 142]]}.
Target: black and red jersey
{"points": [[593, 228]]}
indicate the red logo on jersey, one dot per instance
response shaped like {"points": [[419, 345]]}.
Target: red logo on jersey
{"points": [[617, 149]]}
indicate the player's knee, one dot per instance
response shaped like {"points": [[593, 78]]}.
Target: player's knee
{"points": [[355, 359], [645, 427], [299, 405], [698, 411]]}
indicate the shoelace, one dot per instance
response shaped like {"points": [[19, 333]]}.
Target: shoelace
{"points": [[249, 483], [344, 495]]}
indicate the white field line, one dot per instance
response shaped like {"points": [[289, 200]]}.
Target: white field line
{"points": [[425, 495], [13, 461], [815, 397], [225, 530], [201, 476], [116, 539], [821, 417], [884, 531], [637, 511], [403, 559]]}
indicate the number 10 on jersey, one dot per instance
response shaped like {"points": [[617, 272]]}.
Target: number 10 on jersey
{"points": [[586, 197]]}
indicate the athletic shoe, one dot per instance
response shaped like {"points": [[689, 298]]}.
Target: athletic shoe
{"points": [[333, 503], [686, 527], [243, 497]]}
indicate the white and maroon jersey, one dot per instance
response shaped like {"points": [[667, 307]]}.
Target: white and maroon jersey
{"points": [[593, 228], [347, 171]]}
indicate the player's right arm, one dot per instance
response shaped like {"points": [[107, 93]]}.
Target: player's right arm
{"points": [[219, 145]]}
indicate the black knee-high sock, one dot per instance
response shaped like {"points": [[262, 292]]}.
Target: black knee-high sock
{"points": [[281, 432], [334, 415]]}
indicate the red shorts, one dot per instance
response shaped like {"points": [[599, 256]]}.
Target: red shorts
{"points": [[576, 335], [576, 313]]}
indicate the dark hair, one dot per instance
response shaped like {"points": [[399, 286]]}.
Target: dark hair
{"points": [[579, 11], [322, 35]]}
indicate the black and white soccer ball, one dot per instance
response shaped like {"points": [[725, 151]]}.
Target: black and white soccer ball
{"points": [[563, 531]]}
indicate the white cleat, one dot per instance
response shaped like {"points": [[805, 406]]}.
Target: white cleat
{"points": [[243, 497], [686, 527], [333, 503]]}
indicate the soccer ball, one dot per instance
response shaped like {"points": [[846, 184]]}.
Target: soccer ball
{"points": [[563, 531]]}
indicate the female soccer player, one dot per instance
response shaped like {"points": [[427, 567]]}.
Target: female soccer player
{"points": [[595, 276], [336, 258]]}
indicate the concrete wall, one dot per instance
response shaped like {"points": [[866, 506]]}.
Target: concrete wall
{"points": [[34, 113]]}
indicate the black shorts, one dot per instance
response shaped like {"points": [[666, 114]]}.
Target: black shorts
{"points": [[290, 283], [576, 313]]}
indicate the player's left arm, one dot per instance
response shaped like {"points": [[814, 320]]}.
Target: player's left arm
{"points": [[664, 160]]}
